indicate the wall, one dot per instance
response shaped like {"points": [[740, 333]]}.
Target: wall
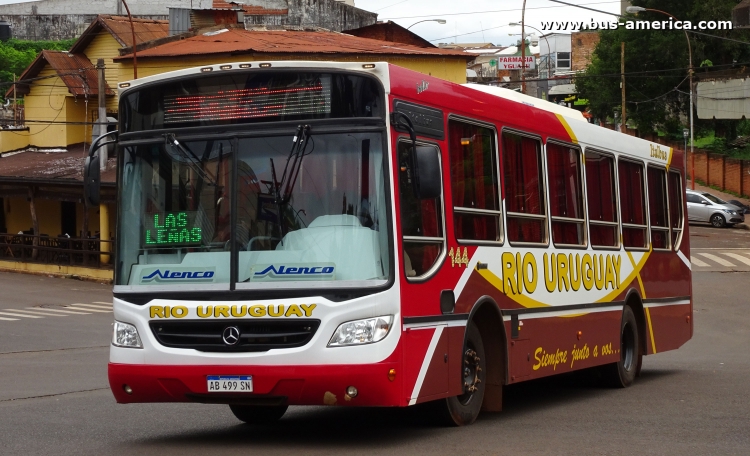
{"points": [[105, 46], [728, 174], [54, 26], [582, 46], [11, 140], [328, 14], [137, 7]]}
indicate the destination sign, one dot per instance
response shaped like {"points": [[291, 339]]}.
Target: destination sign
{"points": [[171, 229]]}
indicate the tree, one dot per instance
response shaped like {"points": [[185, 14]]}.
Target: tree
{"points": [[16, 55], [656, 63]]}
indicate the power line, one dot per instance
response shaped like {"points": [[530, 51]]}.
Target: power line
{"points": [[493, 11]]}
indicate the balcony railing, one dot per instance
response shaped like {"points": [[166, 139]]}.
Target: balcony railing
{"points": [[62, 250]]}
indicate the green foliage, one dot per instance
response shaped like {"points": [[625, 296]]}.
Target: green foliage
{"points": [[653, 103], [16, 55]]}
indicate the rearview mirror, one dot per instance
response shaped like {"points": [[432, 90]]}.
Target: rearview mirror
{"points": [[92, 178], [427, 172]]}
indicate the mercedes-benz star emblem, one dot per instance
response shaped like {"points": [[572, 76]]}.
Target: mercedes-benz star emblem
{"points": [[231, 335]]}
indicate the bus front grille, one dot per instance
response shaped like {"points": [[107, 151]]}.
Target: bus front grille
{"points": [[252, 336]]}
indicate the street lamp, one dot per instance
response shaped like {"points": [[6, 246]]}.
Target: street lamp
{"points": [[638, 9], [685, 134], [135, 44], [439, 21], [549, 48]]}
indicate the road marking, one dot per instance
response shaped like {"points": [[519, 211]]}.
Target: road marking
{"points": [[105, 303], [94, 306], [8, 319], [717, 259], [698, 262], [738, 257], [60, 311], [18, 315], [39, 312], [77, 306]]}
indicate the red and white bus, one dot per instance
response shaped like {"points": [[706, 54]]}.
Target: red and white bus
{"points": [[300, 233]]}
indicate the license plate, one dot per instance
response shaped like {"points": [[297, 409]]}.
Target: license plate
{"points": [[230, 383]]}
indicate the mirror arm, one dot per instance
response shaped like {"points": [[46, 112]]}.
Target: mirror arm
{"points": [[396, 121]]}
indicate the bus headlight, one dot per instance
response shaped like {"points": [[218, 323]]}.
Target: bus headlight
{"points": [[361, 332], [126, 335]]}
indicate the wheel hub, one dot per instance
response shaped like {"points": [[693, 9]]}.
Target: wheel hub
{"points": [[471, 371]]}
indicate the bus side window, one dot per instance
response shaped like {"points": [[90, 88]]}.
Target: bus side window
{"points": [[476, 197], [657, 207], [676, 216], [524, 189], [602, 200], [632, 204], [565, 195], [421, 223]]}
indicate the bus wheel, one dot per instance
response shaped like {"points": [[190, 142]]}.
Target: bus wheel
{"points": [[464, 409], [622, 373], [259, 414]]}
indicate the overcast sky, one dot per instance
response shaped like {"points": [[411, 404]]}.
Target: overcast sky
{"points": [[465, 20], [477, 20]]}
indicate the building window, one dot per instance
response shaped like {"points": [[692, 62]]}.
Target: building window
{"points": [[657, 207], [474, 183], [421, 222], [565, 195], [632, 205], [602, 200], [563, 60], [523, 185]]}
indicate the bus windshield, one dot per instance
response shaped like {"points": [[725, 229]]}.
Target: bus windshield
{"points": [[315, 214]]}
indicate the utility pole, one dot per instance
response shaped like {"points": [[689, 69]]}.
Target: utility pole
{"points": [[523, 48], [15, 105], [622, 84], [102, 121]]}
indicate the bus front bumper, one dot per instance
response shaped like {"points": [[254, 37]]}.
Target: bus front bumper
{"points": [[272, 385]]}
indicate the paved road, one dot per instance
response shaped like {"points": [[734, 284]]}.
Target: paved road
{"points": [[54, 397]]}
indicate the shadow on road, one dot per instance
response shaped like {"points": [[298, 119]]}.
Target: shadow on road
{"points": [[313, 427]]}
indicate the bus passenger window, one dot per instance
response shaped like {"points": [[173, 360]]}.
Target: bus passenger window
{"points": [[602, 201], [565, 194], [632, 204], [657, 207], [421, 223], [522, 182], [676, 217], [476, 200]]}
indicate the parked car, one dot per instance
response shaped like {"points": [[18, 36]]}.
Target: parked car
{"points": [[745, 208], [705, 207]]}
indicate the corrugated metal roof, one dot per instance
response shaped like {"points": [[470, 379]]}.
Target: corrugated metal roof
{"points": [[75, 70], [240, 41], [119, 28], [248, 9], [51, 165]]}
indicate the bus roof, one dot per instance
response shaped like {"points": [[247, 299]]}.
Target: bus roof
{"points": [[512, 95]]}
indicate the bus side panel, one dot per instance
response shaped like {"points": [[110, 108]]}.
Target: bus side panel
{"points": [[548, 345], [669, 327]]}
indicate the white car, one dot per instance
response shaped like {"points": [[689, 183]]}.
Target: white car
{"points": [[705, 207]]}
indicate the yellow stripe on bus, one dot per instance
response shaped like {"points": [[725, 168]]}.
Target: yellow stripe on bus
{"points": [[567, 128], [651, 330]]}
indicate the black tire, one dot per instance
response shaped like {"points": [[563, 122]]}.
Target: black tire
{"points": [[622, 373], [464, 409], [718, 221], [258, 414]]}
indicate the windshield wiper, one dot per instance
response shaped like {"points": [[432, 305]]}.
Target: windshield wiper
{"points": [[191, 158], [283, 189]]}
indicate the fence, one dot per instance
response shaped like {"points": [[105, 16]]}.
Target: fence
{"points": [[728, 174], [62, 251]]}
